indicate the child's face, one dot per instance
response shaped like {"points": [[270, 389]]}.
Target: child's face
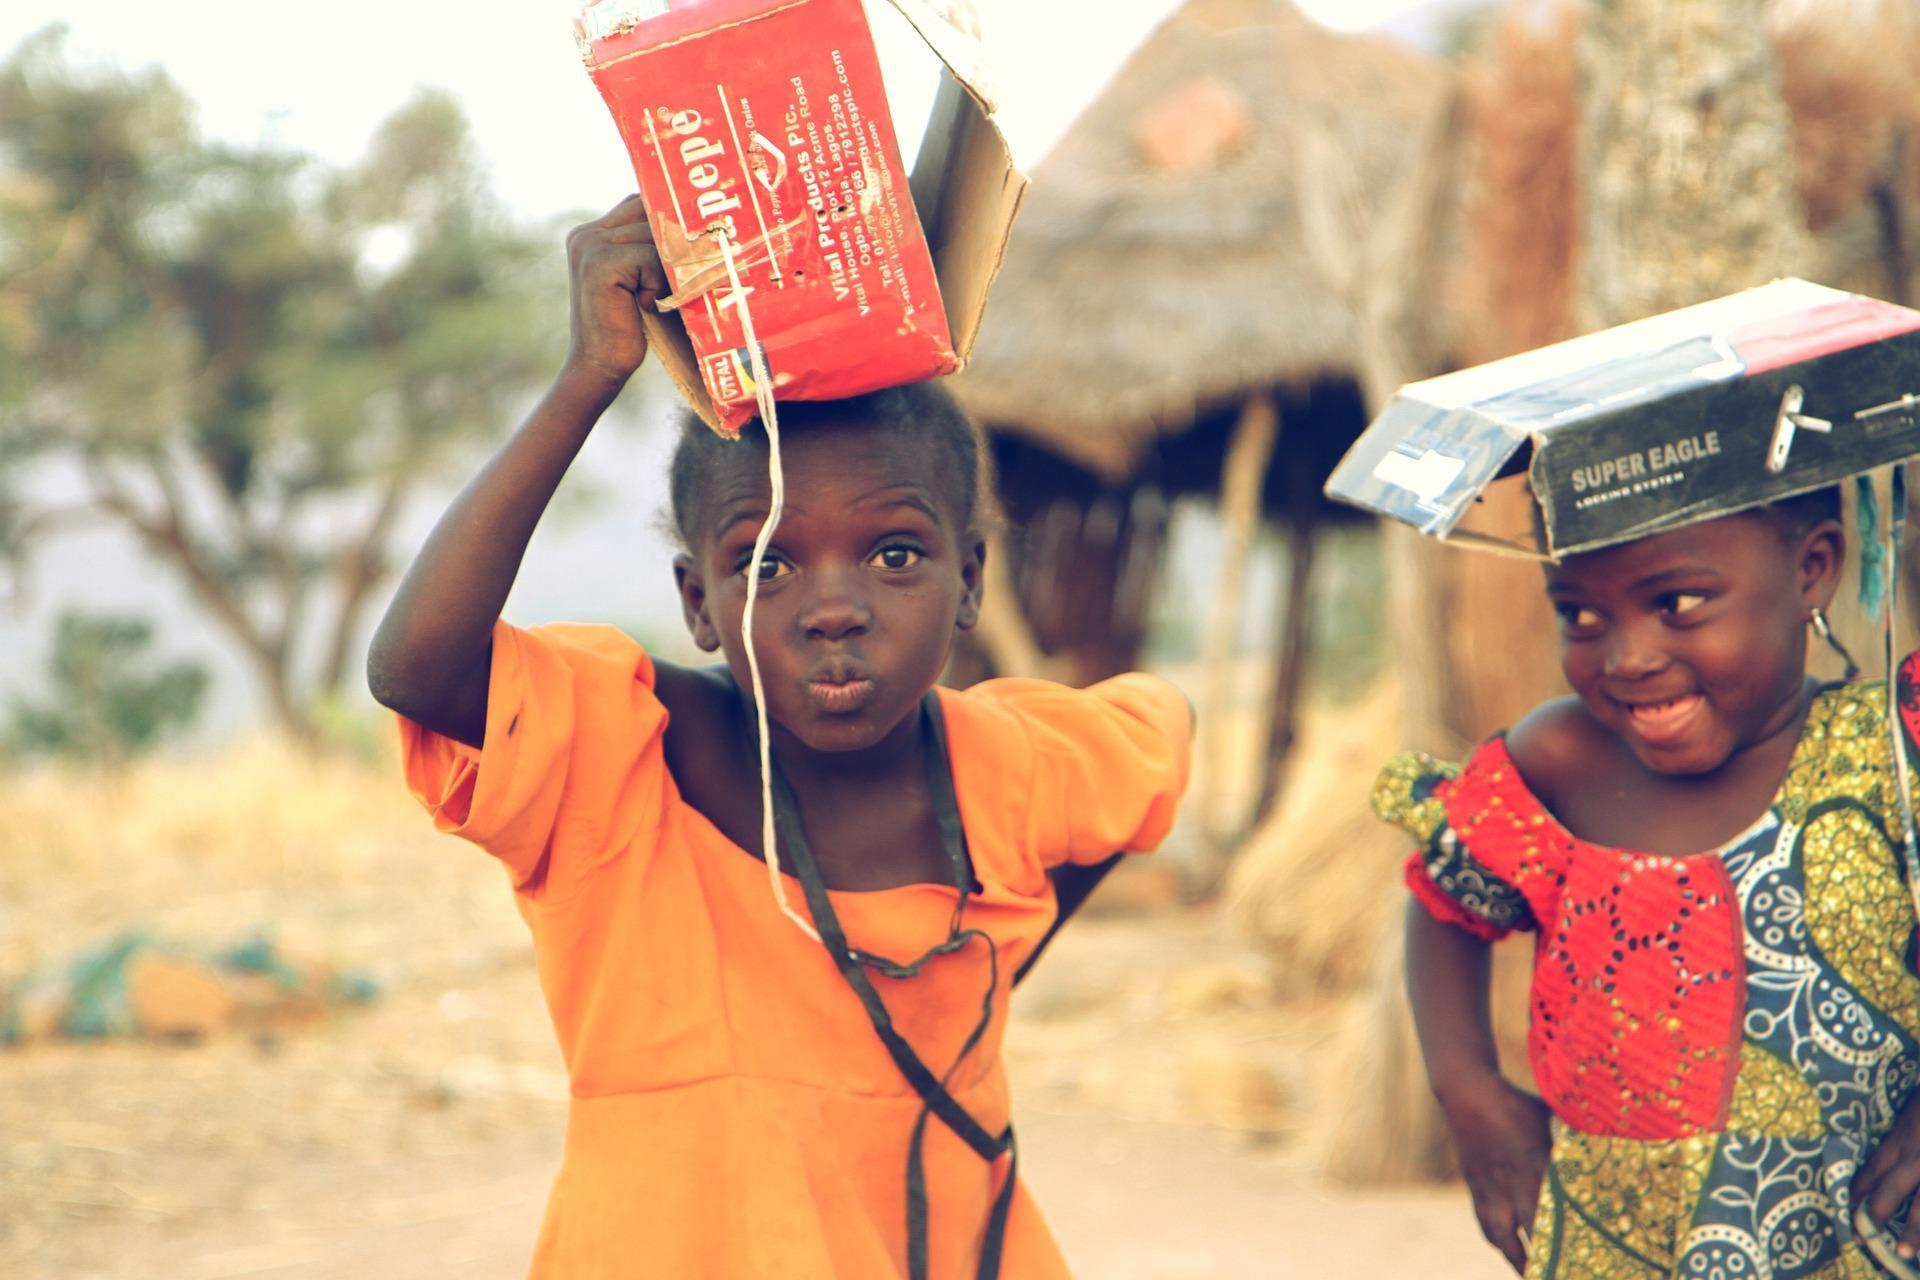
{"points": [[865, 582], [1691, 645]]}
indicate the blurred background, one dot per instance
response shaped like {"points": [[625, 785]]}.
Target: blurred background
{"points": [[269, 293]]}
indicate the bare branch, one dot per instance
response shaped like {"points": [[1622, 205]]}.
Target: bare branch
{"points": [[52, 520], [113, 497], [166, 533]]}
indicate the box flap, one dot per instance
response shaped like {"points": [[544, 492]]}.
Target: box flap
{"points": [[966, 186], [952, 30], [973, 221], [1423, 463]]}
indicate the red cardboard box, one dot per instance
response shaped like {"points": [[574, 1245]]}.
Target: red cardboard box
{"points": [[766, 121]]}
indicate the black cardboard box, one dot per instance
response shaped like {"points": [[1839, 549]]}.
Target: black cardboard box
{"points": [[1666, 421]]}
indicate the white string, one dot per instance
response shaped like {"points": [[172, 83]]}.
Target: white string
{"points": [[1890, 566], [777, 482]]}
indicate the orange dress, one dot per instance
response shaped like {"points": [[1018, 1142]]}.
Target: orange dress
{"points": [[733, 1113]]}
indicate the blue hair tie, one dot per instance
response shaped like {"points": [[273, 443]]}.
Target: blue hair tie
{"points": [[1873, 552]]}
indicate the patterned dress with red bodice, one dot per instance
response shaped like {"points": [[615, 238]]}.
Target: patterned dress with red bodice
{"points": [[1721, 1037]]}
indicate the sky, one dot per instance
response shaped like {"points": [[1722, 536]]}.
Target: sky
{"points": [[324, 86]]}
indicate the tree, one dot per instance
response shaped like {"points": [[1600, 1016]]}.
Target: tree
{"points": [[1686, 158], [248, 362], [103, 706]]}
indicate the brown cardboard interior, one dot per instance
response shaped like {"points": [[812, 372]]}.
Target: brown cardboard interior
{"points": [[1504, 517], [978, 200], [667, 340]]}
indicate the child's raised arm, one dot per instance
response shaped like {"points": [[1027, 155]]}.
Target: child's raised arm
{"points": [[431, 655], [1500, 1133]]}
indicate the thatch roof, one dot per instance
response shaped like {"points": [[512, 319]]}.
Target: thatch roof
{"points": [[1197, 234]]}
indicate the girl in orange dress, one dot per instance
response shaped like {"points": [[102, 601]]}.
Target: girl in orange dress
{"points": [[747, 1099]]}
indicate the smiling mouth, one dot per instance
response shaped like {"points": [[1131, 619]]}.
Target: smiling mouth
{"points": [[1663, 722]]}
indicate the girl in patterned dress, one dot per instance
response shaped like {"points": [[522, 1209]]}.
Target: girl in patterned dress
{"points": [[1724, 1019]]}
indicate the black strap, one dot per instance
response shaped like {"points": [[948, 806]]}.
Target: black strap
{"points": [[935, 1097]]}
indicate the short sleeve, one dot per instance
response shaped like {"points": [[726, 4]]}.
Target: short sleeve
{"points": [[1109, 762], [571, 772], [1444, 876], [1906, 708]]}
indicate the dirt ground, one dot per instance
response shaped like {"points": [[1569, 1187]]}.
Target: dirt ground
{"points": [[1161, 1089]]}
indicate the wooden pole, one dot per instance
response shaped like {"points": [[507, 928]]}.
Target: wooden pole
{"points": [[1003, 630], [1242, 477], [1294, 633]]}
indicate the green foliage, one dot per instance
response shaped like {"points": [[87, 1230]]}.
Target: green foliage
{"points": [[105, 703], [252, 360], [1464, 30], [353, 728]]}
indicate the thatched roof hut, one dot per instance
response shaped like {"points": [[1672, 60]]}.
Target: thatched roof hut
{"points": [[1197, 234], [1177, 314]]}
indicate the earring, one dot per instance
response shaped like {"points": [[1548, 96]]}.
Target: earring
{"points": [[1817, 619]]}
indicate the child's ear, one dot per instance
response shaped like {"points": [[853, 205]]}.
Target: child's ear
{"points": [[1823, 552], [693, 603], [973, 581]]}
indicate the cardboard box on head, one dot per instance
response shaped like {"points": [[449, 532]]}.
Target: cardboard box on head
{"points": [[765, 122], [1647, 426]]}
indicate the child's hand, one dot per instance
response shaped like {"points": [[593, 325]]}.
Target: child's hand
{"points": [[1891, 1174], [1504, 1141], [614, 271]]}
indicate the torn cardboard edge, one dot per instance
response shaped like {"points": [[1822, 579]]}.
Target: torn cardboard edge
{"points": [[964, 184]]}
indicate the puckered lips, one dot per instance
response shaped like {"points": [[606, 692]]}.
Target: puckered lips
{"points": [[1661, 722], [840, 686]]}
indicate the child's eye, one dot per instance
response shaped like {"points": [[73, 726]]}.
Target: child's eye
{"points": [[771, 567], [896, 556], [1678, 602], [1576, 617]]}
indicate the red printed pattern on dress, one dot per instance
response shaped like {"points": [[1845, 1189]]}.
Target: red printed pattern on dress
{"points": [[1638, 984], [1907, 703]]}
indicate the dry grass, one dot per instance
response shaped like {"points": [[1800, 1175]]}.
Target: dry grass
{"points": [[1381, 1125], [1314, 883], [1317, 889], [328, 853], [119, 1142]]}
